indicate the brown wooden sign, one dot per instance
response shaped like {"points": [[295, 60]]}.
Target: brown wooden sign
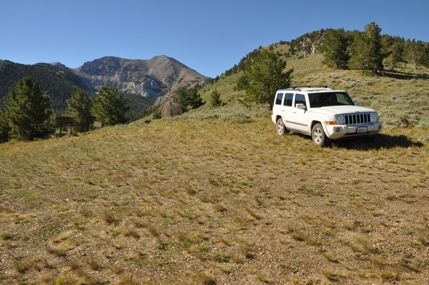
{"points": [[97, 124], [63, 120]]}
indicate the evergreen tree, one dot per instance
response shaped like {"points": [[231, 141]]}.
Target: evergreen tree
{"points": [[392, 48], [263, 77], [415, 53], [189, 99], [156, 114], [27, 111], [334, 48], [366, 49], [109, 107], [182, 95], [425, 60], [4, 127], [79, 107], [215, 98]]}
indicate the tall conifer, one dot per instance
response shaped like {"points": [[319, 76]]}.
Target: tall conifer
{"points": [[109, 107], [263, 77], [79, 107], [366, 49], [28, 112]]}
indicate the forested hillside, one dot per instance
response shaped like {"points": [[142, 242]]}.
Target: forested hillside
{"points": [[60, 84], [354, 50]]}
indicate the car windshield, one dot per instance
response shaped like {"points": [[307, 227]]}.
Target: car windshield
{"points": [[318, 100]]}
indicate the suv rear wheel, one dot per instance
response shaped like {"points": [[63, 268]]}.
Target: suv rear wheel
{"points": [[281, 130], [318, 135]]}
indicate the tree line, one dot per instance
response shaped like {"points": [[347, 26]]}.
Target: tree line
{"points": [[361, 50], [264, 70], [27, 115], [369, 50]]}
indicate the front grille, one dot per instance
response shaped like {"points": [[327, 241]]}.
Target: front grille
{"points": [[355, 119]]}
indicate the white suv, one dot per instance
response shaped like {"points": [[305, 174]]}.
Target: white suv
{"points": [[323, 113]]}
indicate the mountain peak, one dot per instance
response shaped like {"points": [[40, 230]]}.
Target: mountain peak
{"points": [[154, 77]]}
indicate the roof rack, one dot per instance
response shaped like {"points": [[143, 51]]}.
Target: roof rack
{"points": [[298, 88]]}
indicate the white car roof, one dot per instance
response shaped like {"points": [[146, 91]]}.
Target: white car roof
{"points": [[310, 89]]}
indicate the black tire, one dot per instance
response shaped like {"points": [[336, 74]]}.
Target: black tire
{"points": [[318, 135], [280, 125]]}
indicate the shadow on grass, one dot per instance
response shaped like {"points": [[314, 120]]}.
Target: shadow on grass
{"points": [[404, 75], [377, 142]]}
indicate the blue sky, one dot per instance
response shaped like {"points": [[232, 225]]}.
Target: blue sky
{"points": [[208, 36]]}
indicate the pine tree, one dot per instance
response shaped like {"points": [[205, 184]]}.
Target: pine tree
{"points": [[366, 49], [27, 111], [215, 98], [263, 77], [79, 107], [392, 48], [109, 107], [334, 47], [415, 53], [195, 101], [4, 127], [189, 99]]}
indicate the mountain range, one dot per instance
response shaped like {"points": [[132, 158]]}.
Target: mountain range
{"points": [[151, 78]]}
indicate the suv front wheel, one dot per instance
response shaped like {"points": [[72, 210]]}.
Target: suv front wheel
{"points": [[318, 135], [281, 129]]}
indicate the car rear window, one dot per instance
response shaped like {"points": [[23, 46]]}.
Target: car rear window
{"points": [[279, 98], [288, 99]]}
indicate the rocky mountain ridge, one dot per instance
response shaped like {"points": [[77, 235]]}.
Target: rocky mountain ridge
{"points": [[151, 78]]}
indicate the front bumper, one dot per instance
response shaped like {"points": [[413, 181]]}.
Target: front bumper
{"points": [[343, 131]]}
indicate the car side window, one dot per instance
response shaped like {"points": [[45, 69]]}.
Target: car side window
{"points": [[288, 99], [299, 99], [279, 98]]}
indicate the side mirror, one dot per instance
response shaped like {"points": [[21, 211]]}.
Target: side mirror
{"points": [[301, 106], [356, 102]]}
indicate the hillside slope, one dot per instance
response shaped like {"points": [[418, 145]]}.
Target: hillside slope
{"points": [[220, 200], [401, 96]]}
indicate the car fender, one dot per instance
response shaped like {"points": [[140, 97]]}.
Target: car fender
{"points": [[317, 117]]}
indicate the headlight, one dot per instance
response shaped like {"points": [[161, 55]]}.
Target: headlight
{"points": [[339, 119], [374, 117]]}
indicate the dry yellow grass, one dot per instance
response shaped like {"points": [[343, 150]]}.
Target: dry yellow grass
{"points": [[218, 200], [216, 197]]}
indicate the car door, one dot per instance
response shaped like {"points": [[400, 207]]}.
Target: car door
{"points": [[278, 104], [299, 115], [286, 111]]}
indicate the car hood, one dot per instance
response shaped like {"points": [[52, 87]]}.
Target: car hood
{"points": [[342, 109]]}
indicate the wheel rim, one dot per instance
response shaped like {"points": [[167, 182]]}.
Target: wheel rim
{"points": [[317, 135], [280, 127]]}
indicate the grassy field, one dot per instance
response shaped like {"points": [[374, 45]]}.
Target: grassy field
{"points": [[215, 196], [215, 200]]}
